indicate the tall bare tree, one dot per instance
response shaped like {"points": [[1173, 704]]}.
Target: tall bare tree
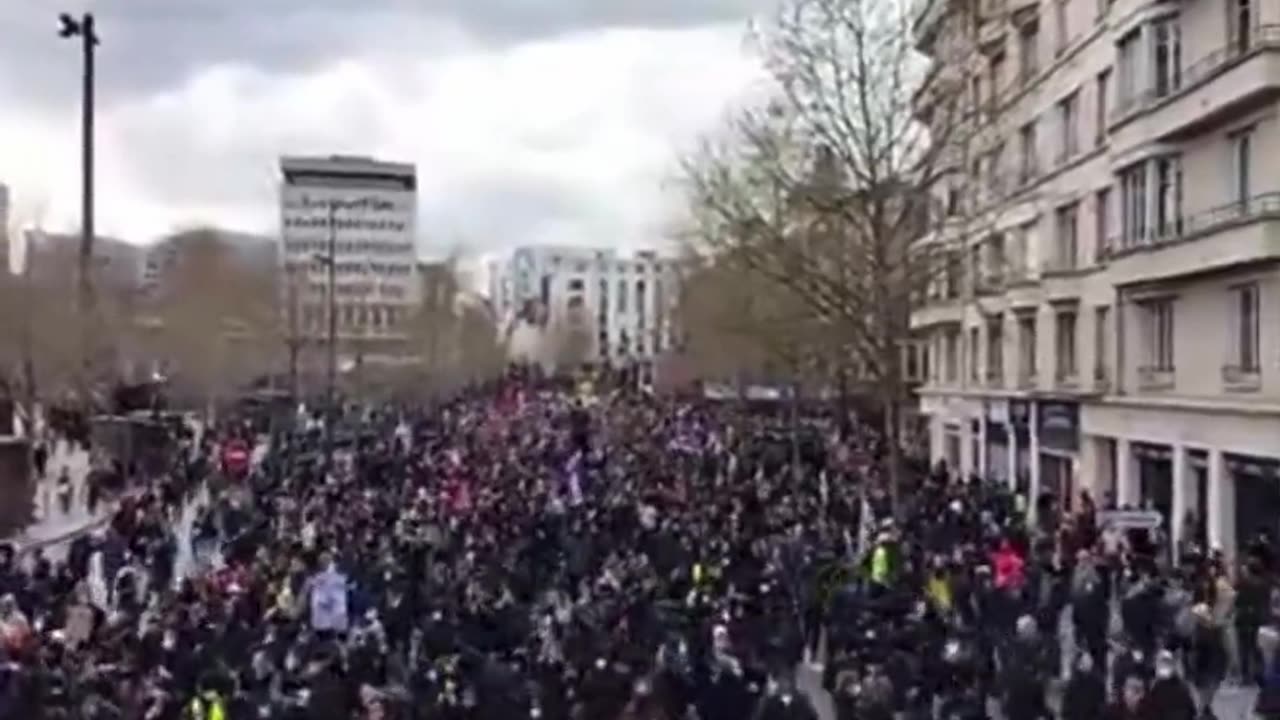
{"points": [[849, 186], [217, 320]]}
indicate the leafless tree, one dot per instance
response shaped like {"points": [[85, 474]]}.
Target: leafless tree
{"points": [[849, 186]]}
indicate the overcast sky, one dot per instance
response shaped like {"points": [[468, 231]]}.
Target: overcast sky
{"points": [[530, 121]]}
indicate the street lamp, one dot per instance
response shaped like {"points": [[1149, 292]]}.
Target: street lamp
{"points": [[83, 28], [329, 260]]}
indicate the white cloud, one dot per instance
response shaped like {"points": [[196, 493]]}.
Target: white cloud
{"points": [[564, 140]]}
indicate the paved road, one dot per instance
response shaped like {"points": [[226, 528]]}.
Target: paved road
{"points": [[50, 521]]}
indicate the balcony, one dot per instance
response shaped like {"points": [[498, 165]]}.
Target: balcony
{"points": [[990, 283], [937, 312], [1066, 379], [995, 377], [993, 33], [1027, 380], [1226, 83], [1152, 378], [1230, 235], [1236, 378]]}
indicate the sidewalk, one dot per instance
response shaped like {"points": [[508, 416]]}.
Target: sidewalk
{"points": [[51, 524]]}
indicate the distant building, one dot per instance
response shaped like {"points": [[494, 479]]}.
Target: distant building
{"points": [[117, 265], [253, 252], [621, 302], [368, 210], [4, 226]]}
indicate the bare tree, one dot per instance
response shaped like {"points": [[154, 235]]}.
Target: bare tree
{"points": [[850, 187], [217, 320]]}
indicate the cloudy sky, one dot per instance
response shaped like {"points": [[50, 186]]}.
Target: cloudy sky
{"points": [[530, 121]]}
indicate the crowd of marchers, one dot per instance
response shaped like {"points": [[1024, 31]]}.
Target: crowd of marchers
{"points": [[524, 551]]}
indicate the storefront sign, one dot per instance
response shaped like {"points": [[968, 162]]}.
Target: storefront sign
{"points": [[1130, 519], [1058, 425]]}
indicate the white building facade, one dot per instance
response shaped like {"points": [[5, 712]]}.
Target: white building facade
{"points": [[1118, 329], [368, 210], [623, 303]]}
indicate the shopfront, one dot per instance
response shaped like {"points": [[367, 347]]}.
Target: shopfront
{"points": [[1257, 489], [1058, 430]]}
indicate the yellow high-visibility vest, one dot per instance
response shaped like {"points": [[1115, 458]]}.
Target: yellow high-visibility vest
{"points": [[880, 565]]}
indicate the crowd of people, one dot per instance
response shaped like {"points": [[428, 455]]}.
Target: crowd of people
{"points": [[527, 552]]}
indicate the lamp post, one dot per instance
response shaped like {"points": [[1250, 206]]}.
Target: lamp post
{"points": [[329, 260], [83, 28]]}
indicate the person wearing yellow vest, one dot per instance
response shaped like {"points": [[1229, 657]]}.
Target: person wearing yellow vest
{"points": [[880, 565], [207, 705]]}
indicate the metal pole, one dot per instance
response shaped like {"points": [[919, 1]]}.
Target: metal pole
{"points": [[332, 368], [88, 41]]}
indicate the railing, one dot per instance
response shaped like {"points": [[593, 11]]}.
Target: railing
{"points": [[1241, 379], [1101, 379], [1153, 377], [1266, 204], [1026, 380], [1259, 38], [995, 377], [1066, 378]]}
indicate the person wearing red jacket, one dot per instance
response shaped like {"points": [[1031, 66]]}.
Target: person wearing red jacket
{"points": [[1009, 566]]}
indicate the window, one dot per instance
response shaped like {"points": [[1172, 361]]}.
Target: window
{"points": [[1127, 67], [1133, 202], [1029, 51], [995, 170], [1240, 25], [1068, 121], [1166, 67], [995, 79], [995, 350], [996, 259], [1168, 176], [575, 285], [975, 95], [1241, 165], [1065, 344], [951, 354], [1102, 222], [1159, 334], [1101, 348], [1066, 237], [1061, 30], [1103, 92], [1027, 346], [1027, 144], [1246, 327], [974, 368], [622, 296]]}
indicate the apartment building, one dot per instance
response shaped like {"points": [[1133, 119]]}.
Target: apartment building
{"points": [[624, 302], [1117, 328]]}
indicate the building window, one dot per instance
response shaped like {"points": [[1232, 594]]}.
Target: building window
{"points": [[1027, 143], [1133, 204], [1029, 51], [1240, 25], [1065, 344], [622, 296], [1127, 68], [1027, 346], [1101, 347], [1068, 127], [975, 369], [1061, 29], [950, 350], [1247, 327], [995, 80], [1066, 236], [1102, 92], [1159, 334], [1168, 176], [1166, 62], [995, 350], [1102, 222], [1242, 166]]}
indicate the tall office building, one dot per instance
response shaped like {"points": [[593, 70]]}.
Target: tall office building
{"points": [[368, 210], [1116, 331]]}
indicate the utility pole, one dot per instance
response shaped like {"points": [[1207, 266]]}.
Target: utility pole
{"points": [[84, 29], [330, 410]]}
